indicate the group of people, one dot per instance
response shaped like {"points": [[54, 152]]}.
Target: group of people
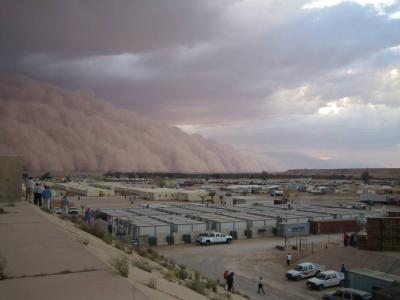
{"points": [[228, 279], [41, 195], [37, 193], [350, 239]]}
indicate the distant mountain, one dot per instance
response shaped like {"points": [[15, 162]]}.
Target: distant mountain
{"points": [[60, 130]]}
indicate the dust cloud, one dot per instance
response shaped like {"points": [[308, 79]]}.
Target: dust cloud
{"points": [[60, 130]]}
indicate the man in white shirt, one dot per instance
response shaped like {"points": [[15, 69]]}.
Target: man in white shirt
{"points": [[289, 259]]}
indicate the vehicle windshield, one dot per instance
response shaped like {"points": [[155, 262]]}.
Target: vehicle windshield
{"points": [[203, 234], [321, 276], [298, 268]]}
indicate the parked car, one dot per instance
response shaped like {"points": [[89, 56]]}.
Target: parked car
{"points": [[213, 238], [326, 279], [347, 294], [304, 270]]}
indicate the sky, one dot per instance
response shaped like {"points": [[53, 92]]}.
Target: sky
{"points": [[307, 83]]}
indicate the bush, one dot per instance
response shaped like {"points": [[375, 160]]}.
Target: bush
{"points": [[197, 286], [152, 283], [2, 211], [45, 210], [107, 238], [143, 265], [212, 284], [120, 264], [152, 254], [170, 275], [182, 274], [233, 233], [261, 230], [248, 233], [2, 267], [197, 275], [141, 251]]}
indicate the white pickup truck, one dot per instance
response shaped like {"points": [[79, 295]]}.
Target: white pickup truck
{"points": [[304, 270], [326, 279], [213, 238]]}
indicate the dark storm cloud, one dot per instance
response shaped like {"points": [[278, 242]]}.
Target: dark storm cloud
{"points": [[92, 27]]}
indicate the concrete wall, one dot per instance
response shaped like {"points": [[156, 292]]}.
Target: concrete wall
{"points": [[10, 178]]}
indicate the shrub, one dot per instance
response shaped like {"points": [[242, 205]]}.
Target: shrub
{"points": [[212, 284], [107, 238], [182, 274], [141, 251], [197, 275], [187, 238], [152, 283], [2, 267], [197, 286], [170, 239], [233, 233], [120, 264], [2, 211], [170, 275], [142, 264]]}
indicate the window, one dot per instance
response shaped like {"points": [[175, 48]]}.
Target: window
{"points": [[334, 276]]}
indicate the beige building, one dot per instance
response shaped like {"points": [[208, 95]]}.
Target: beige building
{"points": [[10, 178]]}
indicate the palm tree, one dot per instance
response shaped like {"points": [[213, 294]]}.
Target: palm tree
{"points": [[212, 194]]}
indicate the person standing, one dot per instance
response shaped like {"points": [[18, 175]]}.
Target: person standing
{"points": [[229, 281], [345, 239], [40, 194], [288, 259], [36, 192], [226, 273], [65, 204], [47, 197], [260, 286], [109, 224], [87, 216]]}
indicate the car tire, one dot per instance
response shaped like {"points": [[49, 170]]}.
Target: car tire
{"points": [[320, 287], [298, 278], [228, 241], [207, 243]]}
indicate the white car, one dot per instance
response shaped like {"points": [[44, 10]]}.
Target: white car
{"points": [[326, 279], [304, 270], [213, 238]]}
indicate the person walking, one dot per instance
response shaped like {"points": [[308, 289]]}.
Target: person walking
{"points": [[288, 259], [226, 273], [47, 197], [65, 204], [229, 281], [343, 269], [260, 286], [345, 239], [87, 216]]}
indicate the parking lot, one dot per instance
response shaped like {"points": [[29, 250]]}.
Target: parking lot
{"points": [[250, 259]]}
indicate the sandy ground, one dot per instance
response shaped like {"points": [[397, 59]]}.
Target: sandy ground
{"points": [[250, 259]]}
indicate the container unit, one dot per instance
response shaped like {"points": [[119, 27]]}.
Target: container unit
{"points": [[204, 209], [370, 280], [307, 214], [137, 227], [193, 195], [282, 217], [285, 229], [383, 234], [393, 214], [181, 226], [176, 211], [333, 226], [260, 226], [146, 211], [224, 224]]}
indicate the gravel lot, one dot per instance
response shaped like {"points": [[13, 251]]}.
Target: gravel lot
{"points": [[250, 259]]}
